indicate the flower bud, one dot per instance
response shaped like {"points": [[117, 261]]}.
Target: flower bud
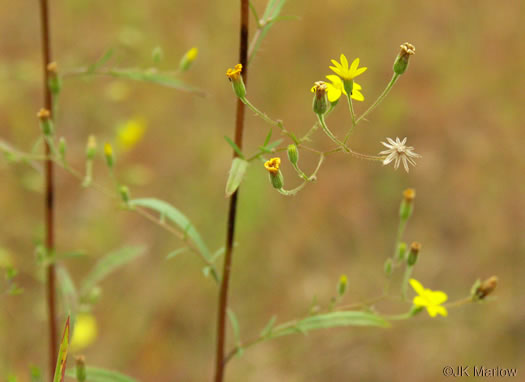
{"points": [[235, 77], [342, 285], [407, 205], [45, 121], [486, 287], [387, 267], [401, 63], [401, 250], [108, 153], [293, 154], [276, 177], [62, 148], [80, 362], [124, 194], [91, 147], [415, 247], [320, 103], [188, 58], [54, 81]]}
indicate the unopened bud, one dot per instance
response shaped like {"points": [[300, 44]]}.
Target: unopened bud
{"points": [[293, 154], [62, 148], [91, 147], [387, 267], [188, 58], [235, 77], [415, 247], [108, 153], [54, 82], [486, 287], [401, 63], [80, 362], [45, 121], [342, 285], [407, 204], [320, 103], [124, 194]]}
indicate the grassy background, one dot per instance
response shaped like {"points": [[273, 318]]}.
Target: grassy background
{"points": [[460, 104]]}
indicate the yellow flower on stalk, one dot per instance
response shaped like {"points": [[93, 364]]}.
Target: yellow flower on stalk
{"points": [[336, 88], [235, 73], [429, 299], [85, 331], [273, 165], [344, 71], [192, 54], [130, 133]]}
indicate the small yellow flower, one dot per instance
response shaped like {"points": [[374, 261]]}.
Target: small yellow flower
{"points": [[235, 73], [273, 165], [429, 299], [108, 150], [345, 72], [85, 331], [192, 54], [336, 88], [130, 133]]}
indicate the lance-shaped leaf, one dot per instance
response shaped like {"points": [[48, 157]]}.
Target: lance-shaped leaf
{"points": [[329, 320], [108, 264], [62, 355], [95, 374], [237, 172], [171, 213]]}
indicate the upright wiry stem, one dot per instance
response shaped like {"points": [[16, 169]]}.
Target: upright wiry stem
{"points": [[225, 280], [49, 196]]}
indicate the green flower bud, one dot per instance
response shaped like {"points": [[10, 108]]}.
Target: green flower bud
{"points": [[407, 205], [45, 122], [401, 250], [293, 154], [235, 77], [62, 148], [388, 267], [188, 58], [80, 368], [124, 194], [54, 82], [342, 285], [108, 153], [401, 63], [320, 103], [91, 147], [415, 247]]}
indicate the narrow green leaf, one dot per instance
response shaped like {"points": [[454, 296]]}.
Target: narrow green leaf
{"points": [[67, 289], [273, 145], [235, 326], [101, 61], [269, 327], [236, 176], [330, 320], [234, 147], [268, 137], [176, 252], [95, 374], [155, 77], [108, 264], [62, 355], [174, 215]]}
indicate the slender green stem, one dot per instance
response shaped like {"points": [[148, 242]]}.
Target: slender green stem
{"points": [[329, 133], [404, 285], [352, 114], [380, 98]]}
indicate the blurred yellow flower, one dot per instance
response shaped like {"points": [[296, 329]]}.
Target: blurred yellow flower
{"points": [[130, 133], [336, 88], [273, 165], [85, 331], [235, 73], [192, 53], [345, 72], [429, 299]]}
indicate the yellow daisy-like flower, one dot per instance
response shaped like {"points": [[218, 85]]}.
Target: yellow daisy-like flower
{"points": [[273, 165], [130, 133], [235, 73], [85, 331], [336, 88], [429, 299], [347, 72]]}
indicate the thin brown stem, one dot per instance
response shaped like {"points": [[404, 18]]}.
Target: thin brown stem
{"points": [[49, 195], [225, 280]]}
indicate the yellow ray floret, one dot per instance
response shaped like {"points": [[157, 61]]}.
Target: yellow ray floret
{"points": [[347, 72]]}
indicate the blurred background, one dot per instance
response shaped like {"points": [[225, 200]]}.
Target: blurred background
{"points": [[460, 104]]}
